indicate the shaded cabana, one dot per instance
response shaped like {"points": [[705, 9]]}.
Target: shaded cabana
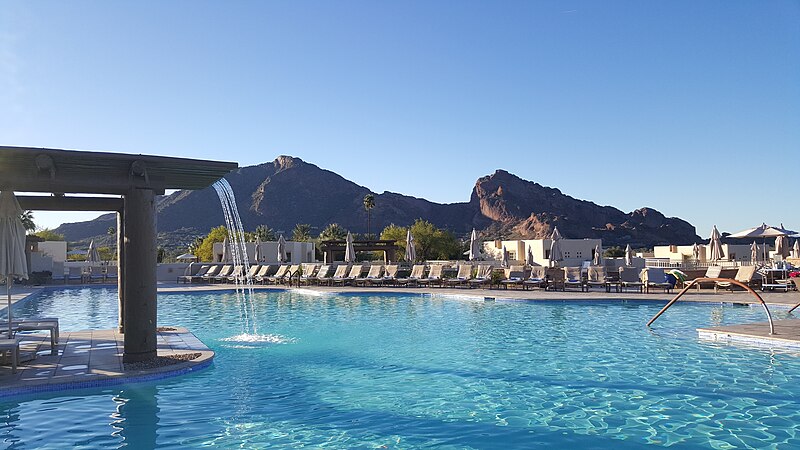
{"points": [[136, 180]]}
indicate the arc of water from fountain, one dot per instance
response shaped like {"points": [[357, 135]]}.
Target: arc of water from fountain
{"points": [[238, 251]]}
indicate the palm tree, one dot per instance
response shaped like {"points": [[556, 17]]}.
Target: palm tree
{"points": [[301, 232], [369, 203], [27, 221]]}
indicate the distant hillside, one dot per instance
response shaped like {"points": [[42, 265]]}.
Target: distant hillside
{"points": [[288, 191]]}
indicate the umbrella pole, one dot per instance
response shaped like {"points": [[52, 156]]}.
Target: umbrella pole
{"points": [[8, 294]]}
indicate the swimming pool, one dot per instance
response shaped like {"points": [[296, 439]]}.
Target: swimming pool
{"points": [[413, 371]]}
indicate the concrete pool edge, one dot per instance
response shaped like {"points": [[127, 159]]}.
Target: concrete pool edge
{"points": [[57, 379]]}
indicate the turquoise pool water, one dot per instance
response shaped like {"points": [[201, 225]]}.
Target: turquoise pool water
{"points": [[397, 371]]}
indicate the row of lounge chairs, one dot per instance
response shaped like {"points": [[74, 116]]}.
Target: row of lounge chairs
{"points": [[421, 275]]}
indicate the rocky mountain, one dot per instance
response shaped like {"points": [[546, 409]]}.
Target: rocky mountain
{"points": [[288, 191]]}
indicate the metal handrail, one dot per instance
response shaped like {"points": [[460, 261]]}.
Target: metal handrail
{"points": [[720, 280]]}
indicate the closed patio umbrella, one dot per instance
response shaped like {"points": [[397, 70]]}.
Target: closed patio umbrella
{"points": [[92, 254], [504, 261], [715, 243], [282, 249], [597, 260], [628, 255], [411, 251], [12, 245], [474, 246], [257, 252], [782, 246], [226, 251], [349, 251], [696, 251], [754, 252], [796, 249], [529, 258], [556, 254]]}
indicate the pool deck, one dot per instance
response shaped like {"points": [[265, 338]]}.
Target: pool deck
{"points": [[94, 358]]}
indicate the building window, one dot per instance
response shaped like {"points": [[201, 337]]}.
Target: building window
{"points": [[547, 254]]}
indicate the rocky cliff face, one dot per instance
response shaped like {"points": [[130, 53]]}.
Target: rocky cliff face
{"points": [[288, 191]]}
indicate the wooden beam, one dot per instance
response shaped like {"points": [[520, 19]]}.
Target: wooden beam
{"points": [[42, 203]]}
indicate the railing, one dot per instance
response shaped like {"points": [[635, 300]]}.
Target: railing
{"points": [[669, 264], [721, 280]]}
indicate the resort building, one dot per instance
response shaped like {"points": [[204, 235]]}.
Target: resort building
{"points": [[296, 252], [685, 254], [575, 251]]}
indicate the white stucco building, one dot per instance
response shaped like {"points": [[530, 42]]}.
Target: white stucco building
{"points": [[575, 251]]}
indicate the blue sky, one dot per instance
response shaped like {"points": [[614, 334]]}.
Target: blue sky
{"points": [[692, 108]]}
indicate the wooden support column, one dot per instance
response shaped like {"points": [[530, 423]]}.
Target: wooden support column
{"points": [[121, 269], [139, 297]]}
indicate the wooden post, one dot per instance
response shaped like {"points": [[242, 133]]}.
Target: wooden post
{"points": [[139, 298]]}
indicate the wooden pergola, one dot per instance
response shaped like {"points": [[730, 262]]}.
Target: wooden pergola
{"points": [[388, 247], [133, 181]]}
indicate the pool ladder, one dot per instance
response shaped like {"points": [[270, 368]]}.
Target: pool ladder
{"points": [[723, 280]]}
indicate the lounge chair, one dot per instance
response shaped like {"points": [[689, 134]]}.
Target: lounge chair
{"points": [[657, 278], [482, 276], [236, 274], [514, 277], [744, 275], [354, 274], [74, 274], [11, 345], [711, 272], [308, 272], [339, 275], [208, 277], [263, 272], [596, 276], [110, 273], [434, 276], [555, 279], [189, 278], [251, 274], [389, 276], [537, 278], [375, 274], [573, 278], [226, 270], [629, 277], [321, 274], [49, 324], [417, 273], [291, 272], [277, 276], [95, 274], [462, 277]]}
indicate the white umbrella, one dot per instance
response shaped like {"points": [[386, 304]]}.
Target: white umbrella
{"points": [[556, 254], [257, 252], [504, 261], [349, 251], [598, 256], [530, 260], [186, 257], [281, 249], [754, 252], [796, 249], [12, 245], [762, 231], [782, 246], [226, 251], [92, 254], [715, 243], [696, 251], [628, 255], [474, 246], [411, 251]]}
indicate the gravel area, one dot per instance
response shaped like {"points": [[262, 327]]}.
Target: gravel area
{"points": [[161, 361]]}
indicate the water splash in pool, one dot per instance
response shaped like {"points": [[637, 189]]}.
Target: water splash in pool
{"points": [[238, 252], [258, 338]]}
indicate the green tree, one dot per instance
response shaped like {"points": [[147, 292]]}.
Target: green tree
{"points": [[113, 233], [265, 233], [369, 203], [205, 252], [195, 245], [397, 234], [27, 221], [301, 232], [49, 235], [106, 253], [433, 243], [333, 232], [614, 252]]}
